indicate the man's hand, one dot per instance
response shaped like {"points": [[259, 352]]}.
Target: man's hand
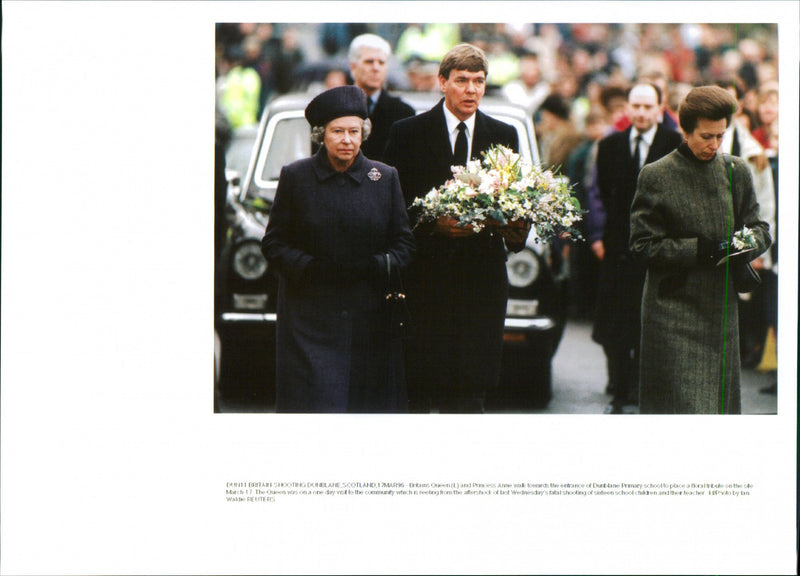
{"points": [[448, 226], [515, 234], [599, 249]]}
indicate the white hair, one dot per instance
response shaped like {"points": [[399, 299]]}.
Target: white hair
{"points": [[318, 132], [368, 41]]}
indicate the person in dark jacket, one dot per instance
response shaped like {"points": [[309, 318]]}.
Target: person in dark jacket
{"points": [[620, 156], [335, 218], [369, 63], [457, 285]]}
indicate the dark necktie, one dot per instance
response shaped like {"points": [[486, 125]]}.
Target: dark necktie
{"points": [[372, 104], [460, 153], [637, 160]]}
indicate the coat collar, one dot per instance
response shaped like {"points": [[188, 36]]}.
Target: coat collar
{"points": [[658, 144], [480, 138], [648, 136], [440, 139], [323, 169], [687, 153]]}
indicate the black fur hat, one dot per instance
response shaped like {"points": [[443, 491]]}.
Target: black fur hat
{"points": [[335, 103]]}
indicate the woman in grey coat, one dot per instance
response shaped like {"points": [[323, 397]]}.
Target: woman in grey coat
{"points": [[336, 217], [687, 207]]}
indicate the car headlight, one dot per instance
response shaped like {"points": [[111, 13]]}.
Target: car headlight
{"points": [[248, 262], [523, 268]]}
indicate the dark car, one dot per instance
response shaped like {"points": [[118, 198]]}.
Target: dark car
{"points": [[247, 288]]}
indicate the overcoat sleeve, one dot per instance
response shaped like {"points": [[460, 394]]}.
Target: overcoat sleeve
{"points": [[650, 241], [653, 243], [400, 245], [276, 245], [605, 164]]}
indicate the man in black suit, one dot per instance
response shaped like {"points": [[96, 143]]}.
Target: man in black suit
{"points": [[369, 61], [457, 286], [620, 156]]}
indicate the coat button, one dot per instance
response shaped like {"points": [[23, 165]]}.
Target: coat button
{"points": [[345, 314]]}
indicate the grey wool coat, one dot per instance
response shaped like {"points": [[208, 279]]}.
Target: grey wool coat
{"points": [[690, 332], [334, 352]]}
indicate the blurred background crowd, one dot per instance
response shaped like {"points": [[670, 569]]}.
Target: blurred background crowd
{"points": [[572, 78], [574, 61]]}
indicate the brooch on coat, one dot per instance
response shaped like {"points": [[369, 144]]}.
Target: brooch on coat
{"points": [[374, 175]]}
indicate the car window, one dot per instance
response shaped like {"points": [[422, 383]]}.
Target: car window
{"points": [[522, 134], [288, 138]]}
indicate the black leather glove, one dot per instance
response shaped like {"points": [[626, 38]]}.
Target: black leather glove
{"points": [[740, 259], [709, 252]]}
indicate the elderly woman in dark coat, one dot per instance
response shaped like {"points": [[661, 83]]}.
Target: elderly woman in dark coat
{"points": [[335, 218], [687, 207]]}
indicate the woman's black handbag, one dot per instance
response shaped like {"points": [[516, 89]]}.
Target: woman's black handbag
{"points": [[395, 301], [745, 277]]}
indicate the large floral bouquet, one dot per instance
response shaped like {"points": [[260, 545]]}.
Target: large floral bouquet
{"points": [[502, 190]]}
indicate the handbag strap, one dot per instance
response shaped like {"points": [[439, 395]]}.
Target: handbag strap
{"points": [[736, 221], [732, 179], [394, 283]]}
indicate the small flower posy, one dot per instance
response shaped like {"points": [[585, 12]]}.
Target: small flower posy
{"points": [[503, 188], [744, 239]]}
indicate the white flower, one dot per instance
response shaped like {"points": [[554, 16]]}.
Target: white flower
{"points": [[744, 239], [504, 186]]}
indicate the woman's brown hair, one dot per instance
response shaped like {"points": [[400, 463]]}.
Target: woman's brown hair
{"points": [[709, 102]]}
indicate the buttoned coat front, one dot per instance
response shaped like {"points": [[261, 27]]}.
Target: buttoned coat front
{"points": [[690, 332], [334, 353], [457, 288]]}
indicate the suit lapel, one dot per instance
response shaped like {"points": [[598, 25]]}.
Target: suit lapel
{"points": [[382, 101], [483, 135], [625, 144], [658, 148], [626, 154], [439, 143]]}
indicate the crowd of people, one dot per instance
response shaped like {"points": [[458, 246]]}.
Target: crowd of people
{"points": [[593, 90]]}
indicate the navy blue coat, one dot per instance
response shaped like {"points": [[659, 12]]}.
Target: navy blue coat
{"points": [[333, 352]]}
